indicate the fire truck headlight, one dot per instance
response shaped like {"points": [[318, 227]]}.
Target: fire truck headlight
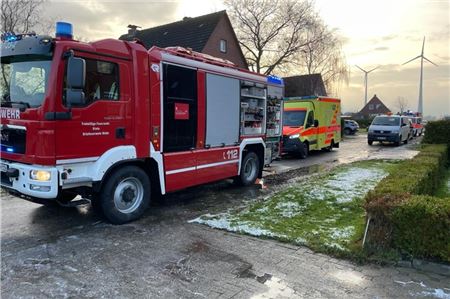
{"points": [[294, 136], [40, 175]]}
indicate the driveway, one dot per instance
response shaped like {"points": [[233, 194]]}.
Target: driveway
{"points": [[70, 252]]}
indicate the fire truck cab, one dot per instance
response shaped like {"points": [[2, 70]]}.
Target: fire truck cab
{"points": [[118, 124]]}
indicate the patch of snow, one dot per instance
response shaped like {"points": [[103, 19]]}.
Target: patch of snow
{"points": [[437, 293], [351, 183], [429, 292], [221, 221], [342, 233], [289, 209], [336, 246]]}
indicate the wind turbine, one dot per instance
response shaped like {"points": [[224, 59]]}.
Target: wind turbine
{"points": [[365, 81], [420, 108]]}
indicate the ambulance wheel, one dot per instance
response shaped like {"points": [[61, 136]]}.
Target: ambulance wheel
{"points": [[330, 148], [249, 170], [304, 152], [125, 195], [370, 142]]}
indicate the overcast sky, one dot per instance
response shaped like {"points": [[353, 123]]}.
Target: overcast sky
{"points": [[382, 33]]}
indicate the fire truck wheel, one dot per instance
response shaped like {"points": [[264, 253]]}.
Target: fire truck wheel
{"points": [[125, 195], [249, 170]]}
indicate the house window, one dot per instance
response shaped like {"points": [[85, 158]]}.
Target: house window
{"points": [[371, 107], [378, 106], [223, 46]]}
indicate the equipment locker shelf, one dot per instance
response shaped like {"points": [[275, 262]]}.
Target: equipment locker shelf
{"points": [[253, 108]]}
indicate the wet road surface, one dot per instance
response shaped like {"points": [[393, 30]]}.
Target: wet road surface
{"points": [[70, 252]]}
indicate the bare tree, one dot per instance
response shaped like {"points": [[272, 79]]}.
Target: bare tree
{"points": [[23, 16], [323, 55], [402, 104], [271, 32]]}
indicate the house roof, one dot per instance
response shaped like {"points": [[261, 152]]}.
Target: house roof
{"points": [[377, 105], [304, 85], [189, 32]]}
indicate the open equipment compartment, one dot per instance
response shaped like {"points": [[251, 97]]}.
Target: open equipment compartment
{"points": [[253, 108], [274, 123]]}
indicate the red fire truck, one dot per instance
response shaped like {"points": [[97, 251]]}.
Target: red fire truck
{"points": [[117, 124]]}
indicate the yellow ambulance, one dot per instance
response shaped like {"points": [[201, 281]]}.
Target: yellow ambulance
{"points": [[311, 123]]}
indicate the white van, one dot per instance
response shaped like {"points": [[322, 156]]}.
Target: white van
{"points": [[389, 128]]}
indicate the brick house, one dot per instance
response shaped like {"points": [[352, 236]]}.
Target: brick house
{"points": [[209, 34], [374, 107]]}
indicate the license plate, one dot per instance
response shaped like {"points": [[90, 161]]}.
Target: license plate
{"points": [[3, 167], [381, 138]]}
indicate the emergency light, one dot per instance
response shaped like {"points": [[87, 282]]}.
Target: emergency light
{"points": [[10, 37], [64, 29], [275, 80]]}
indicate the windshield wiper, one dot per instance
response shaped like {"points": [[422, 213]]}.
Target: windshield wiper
{"points": [[7, 101]]}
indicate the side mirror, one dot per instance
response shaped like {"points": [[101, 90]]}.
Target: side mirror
{"points": [[316, 123], [76, 80]]}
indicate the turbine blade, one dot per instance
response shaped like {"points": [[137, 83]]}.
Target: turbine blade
{"points": [[373, 69], [360, 68], [429, 61], [423, 45], [412, 59]]}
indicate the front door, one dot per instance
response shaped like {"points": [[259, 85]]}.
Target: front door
{"points": [[104, 120], [180, 126], [311, 131]]}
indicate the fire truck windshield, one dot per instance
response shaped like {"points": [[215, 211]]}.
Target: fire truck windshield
{"points": [[294, 118], [24, 82]]}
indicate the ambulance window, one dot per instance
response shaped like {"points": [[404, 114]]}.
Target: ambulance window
{"points": [[310, 119], [102, 81]]}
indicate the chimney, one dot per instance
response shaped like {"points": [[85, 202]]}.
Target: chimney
{"points": [[132, 30]]}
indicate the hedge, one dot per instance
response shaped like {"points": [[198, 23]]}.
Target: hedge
{"points": [[437, 132], [403, 213]]}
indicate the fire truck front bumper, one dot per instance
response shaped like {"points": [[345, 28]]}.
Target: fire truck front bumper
{"points": [[29, 180]]}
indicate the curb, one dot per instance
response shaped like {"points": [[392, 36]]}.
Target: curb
{"points": [[426, 266]]}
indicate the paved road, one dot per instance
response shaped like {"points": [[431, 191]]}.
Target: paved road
{"points": [[69, 252]]}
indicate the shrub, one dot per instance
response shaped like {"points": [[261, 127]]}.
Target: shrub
{"points": [[421, 227], [438, 132], [404, 215]]}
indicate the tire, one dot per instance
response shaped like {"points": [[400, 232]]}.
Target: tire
{"points": [[406, 140], [397, 143], [303, 154], [250, 169], [370, 142], [125, 195], [330, 148], [347, 131]]}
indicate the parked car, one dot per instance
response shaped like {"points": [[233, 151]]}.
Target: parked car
{"points": [[350, 127], [389, 128]]}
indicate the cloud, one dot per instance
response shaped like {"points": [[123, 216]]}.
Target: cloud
{"points": [[109, 19]]}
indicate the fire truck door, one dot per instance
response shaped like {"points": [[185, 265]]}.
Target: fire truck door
{"points": [[103, 121], [180, 126]]}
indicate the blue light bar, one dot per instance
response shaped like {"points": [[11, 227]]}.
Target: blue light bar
{"points": [[275, 80], [64, 29], [10, 150], [10, 37]]}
